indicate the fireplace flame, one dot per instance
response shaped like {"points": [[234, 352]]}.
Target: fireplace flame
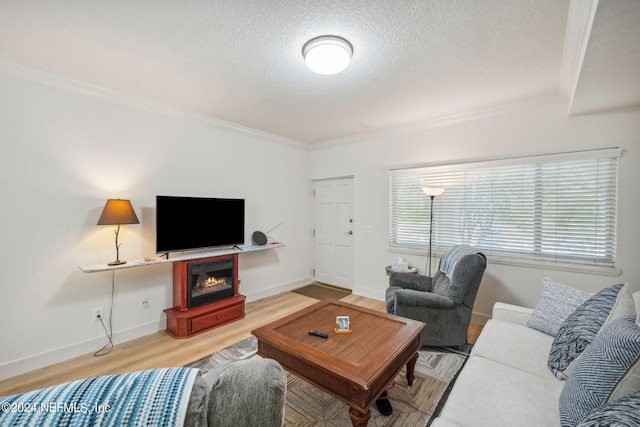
{"points": [[213, 280], [211, 283]]}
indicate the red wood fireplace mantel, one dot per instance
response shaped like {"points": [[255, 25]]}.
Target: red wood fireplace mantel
{"points": [[184, 321]]}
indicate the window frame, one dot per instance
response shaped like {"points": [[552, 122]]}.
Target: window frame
{"points": [[424, 175]]}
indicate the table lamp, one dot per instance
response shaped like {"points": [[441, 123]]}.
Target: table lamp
{"points": [[118, 212]]}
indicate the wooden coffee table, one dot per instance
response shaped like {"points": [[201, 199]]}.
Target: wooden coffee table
{"points": [[354, 368]]}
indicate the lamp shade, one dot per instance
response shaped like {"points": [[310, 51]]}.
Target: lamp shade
{"points": [[432, 191], [117, 212]]}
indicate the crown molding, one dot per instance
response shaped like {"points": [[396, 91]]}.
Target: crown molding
{"points": [[579, 24], [76, 86], [145, 104], [524, 104]]}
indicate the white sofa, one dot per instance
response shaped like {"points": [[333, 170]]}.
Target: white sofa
{"points": [[506, 380]]}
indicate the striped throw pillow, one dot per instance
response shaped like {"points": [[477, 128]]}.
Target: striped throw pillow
{"points": [[580, 328], [607, 370]]}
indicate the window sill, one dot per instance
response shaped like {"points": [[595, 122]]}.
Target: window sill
{"points": [[529, 263]]}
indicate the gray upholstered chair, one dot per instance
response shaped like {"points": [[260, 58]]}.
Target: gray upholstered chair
{"points": [[443, 303], [235, 393], [249, 392]]}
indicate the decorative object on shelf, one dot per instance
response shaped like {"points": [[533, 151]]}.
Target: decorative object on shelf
{"points": [[327, 54], [118, 212], [432, 192], [259, 238]]}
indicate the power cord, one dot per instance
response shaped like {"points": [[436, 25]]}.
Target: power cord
{"points": [[109, 333]]}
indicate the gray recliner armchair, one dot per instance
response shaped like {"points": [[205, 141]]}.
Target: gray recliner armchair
{"points": [[443, 303], [235, 393]]}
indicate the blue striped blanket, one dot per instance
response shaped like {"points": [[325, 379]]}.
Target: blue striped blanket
{"points": [[155, 397], [452, 256]]}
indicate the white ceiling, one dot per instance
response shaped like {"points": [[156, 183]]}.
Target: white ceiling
{"points": [[414, 61]]}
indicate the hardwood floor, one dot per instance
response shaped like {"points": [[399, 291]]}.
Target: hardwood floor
{"points": [[160, 350]]}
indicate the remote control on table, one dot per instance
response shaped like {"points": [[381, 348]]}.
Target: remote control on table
{"points": [[318, 334]]}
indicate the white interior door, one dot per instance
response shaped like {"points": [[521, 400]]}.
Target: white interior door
{"points": [[334, 232]]}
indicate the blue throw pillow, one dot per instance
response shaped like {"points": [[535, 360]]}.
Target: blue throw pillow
{"points": [[579, 330], [606, 371]]}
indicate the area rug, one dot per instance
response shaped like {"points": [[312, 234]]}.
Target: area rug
{"points": [[308, 406], [320, 291]]}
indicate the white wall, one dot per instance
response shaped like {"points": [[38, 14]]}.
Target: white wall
{"points": [[538, 130], [64, 153]]}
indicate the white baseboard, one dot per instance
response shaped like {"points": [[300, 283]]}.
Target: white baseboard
{"points": [[363, 292], [37, 361], [254, 296], [479, 318]]}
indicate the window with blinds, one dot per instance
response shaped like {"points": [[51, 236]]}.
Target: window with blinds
{"points": [[559, 207]]}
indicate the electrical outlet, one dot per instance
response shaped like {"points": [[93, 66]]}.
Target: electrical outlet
{"points": [[144, 304], [98, 313]]}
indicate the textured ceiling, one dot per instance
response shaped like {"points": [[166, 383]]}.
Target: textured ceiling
{"points": [[414, 60]]}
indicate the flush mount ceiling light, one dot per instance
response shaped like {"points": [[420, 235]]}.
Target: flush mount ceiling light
{"points": [[327, 54]]}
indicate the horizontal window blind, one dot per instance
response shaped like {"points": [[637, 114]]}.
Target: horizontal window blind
{"points": [[553, 207]]}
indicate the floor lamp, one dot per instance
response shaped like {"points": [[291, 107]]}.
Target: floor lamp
{"points": [[432, 192]]}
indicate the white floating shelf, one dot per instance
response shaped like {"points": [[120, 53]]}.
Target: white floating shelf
{"points": [[95, 268]]}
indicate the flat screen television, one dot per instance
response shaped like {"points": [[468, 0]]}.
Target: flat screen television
{"points": [[187, 223]]}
